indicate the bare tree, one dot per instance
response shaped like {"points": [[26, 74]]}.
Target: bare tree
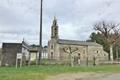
{"points": [[70, 50], [117, 45], [111, 33]]}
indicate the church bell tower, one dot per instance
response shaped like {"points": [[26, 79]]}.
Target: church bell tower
{"points": [[52, 44], [54, 29]]}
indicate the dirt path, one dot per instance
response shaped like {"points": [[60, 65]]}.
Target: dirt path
{"points": [[86, 76], [111, 77]]}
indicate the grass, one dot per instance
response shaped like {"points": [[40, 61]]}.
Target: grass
{"points": [[41, 72]]}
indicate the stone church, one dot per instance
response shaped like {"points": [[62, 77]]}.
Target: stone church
{"points": [[84, 50]]}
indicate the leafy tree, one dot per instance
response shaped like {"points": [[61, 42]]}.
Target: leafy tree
{"points": [[98, 38]]}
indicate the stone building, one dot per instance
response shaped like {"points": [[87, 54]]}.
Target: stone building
{"points": [[34, 53], [30, 53], [0, 55], [85, 50], [10, 51]]}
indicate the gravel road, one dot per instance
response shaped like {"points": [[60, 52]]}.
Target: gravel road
{"points": [[115, 76], [86, 76]]}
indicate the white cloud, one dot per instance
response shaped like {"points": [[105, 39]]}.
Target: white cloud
{"points": [[20, 18]]}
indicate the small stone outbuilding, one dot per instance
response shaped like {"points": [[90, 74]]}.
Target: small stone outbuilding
{"points": [[10, 50]]}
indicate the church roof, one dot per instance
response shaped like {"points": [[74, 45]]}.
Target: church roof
{"points": [[75, 42]]}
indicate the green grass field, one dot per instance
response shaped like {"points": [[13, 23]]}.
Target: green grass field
{"points": [[41, 72]]}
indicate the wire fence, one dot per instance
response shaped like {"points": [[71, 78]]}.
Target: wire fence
{"points": [[86, 61], [78, 61]]}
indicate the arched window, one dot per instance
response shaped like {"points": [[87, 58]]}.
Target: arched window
{"points": [[78, 55], [97, 51], [51, 55], [51, 46]]}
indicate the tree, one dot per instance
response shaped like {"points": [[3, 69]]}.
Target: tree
{"points": [[98, 38], [110, 31], [70, 50], [117, 49]]}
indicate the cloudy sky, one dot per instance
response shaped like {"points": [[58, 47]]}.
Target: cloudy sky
{"points": [[20, 18]]}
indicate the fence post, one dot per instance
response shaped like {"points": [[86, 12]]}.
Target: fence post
{"points": [[87, 61], [94, 59]]}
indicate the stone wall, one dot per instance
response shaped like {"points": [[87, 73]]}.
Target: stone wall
{"points": [[9, 52], [53, 49], [84, 53], [81, 50], [97, 52]]}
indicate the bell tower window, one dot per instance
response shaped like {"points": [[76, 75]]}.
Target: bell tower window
{"points": [[54, 33]]}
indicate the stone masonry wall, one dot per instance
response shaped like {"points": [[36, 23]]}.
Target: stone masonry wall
{"points": [[9, 52]]}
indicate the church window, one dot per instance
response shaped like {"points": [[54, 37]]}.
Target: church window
{"points": [[51, 46], [78, 55], [55, 29], [104, 54], [97, 51], [51, 55]]}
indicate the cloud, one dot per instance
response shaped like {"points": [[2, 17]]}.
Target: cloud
{"points": [[20, 18]]}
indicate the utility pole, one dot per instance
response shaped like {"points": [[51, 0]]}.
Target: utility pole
{"points": [[40, 40]]}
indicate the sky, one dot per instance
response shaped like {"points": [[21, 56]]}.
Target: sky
{"points": [[19, 19]]}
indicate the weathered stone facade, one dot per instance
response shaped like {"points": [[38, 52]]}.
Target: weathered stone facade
{"points": [[10, 50], [30, 53], [86, 50]]}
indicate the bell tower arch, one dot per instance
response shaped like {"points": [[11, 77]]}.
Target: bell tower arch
{"points": [[54, 29]]}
